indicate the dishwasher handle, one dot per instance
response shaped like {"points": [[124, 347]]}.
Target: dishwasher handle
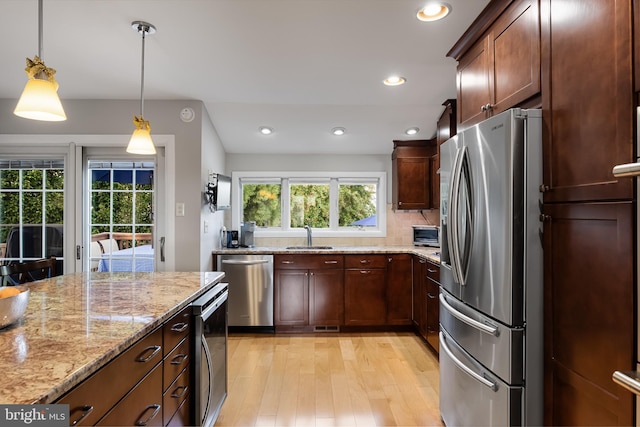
{"points": [[245, 262]]}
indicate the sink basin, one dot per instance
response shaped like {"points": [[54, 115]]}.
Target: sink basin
{"points": [[310, 247]]}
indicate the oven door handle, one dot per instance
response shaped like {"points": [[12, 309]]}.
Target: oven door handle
{"points": [[214, 305], [207, 354]]}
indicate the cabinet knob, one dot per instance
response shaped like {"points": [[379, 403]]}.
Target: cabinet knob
{"points": [[483, 108], [544, 188], [489, 107]]}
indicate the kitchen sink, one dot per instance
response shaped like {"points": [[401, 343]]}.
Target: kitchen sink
{"points": [[310, 247]]}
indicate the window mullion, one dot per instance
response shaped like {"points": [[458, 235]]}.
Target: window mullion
{"points": [[285, 204], [334, 189]]}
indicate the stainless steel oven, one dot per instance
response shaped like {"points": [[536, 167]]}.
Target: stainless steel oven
{"points": [[210, 311]]}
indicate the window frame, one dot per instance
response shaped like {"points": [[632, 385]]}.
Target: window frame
{"points": [[334, 179]]}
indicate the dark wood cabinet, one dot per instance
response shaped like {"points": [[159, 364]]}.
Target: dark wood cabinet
{"points": [[431, 296], [411, 171], [419, 290], [308, 290], [145, 384], [446, 127], [588, 118], [589, 312], [399, 277], [501, 69], [365, 290]]}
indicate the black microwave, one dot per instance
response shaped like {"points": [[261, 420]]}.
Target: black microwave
{"points": [[426, 235]]}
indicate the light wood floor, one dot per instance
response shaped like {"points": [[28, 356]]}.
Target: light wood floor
{"points": [[374, 379]]}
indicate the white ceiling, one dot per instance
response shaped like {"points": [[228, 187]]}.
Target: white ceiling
{"points": [[299, 66]]}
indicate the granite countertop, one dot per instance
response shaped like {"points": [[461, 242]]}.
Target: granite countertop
{"points": [[433, 254], [74, 324]]}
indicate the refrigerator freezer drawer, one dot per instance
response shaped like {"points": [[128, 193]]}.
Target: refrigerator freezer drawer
{"points": [[491, 343], [470, 395]]}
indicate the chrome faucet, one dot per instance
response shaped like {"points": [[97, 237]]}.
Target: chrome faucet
{"points": [[309, 243]]}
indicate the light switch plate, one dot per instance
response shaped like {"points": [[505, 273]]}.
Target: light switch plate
{"points": [[179, 209]]}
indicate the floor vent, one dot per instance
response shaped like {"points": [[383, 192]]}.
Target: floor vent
{"points": [[326, 329]]}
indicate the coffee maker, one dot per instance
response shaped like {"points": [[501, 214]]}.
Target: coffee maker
{"points": [[246, 234]]}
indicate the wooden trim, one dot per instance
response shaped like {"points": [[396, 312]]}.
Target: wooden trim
{"points": [[479, 26]]}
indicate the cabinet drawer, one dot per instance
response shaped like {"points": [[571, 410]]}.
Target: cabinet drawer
{"points": [[176, 361], [175, 329], [304, 262], [433, 271], [182, 416], [365, 261], [175, 394], [121, 374], [142, 406]]}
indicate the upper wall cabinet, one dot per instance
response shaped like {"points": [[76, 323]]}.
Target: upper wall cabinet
{"points": [[587, 85], [498, 60], [411, 163]]}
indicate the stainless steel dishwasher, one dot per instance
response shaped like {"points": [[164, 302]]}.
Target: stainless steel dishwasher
{"points": [[250, 279]]}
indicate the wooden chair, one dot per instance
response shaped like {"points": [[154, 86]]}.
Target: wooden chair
{"points": [[29, 271]]}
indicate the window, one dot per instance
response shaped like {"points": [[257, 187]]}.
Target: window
{"points": [[31, 209], [333, 204]]}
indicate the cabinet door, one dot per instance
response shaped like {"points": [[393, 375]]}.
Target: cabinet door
{"points": [[412, 176], [588, 312], [474, 84], [326, 297], [365, 296], [419, 306], [291, 297], [587, 99], [515, 44], [399, 289], [431, 294]]}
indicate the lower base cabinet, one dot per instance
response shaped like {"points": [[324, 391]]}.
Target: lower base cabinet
{"points": [[432, 298], [148, 384], [365, 296]]}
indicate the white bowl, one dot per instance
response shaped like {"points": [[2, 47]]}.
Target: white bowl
{"points": [[12, 308]]}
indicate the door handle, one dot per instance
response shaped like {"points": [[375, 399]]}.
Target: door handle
{"points": [[628, 379], [162, 249]]}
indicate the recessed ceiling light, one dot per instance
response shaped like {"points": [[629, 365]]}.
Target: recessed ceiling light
{"points": [[433, 11], [394, 80], [265, 130], [412, 131], [338, 131]]}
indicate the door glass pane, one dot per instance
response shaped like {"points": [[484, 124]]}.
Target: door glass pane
{"points": [[121, 220], [31, 210]]}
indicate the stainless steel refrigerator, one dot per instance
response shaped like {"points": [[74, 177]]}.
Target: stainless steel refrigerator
{"points": [[491, 275]]}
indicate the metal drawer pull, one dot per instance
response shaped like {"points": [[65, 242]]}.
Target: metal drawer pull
{"points": [[179, 391], [628, 380], [487, 329], [465, 368], [331, 262], [430, 295], [156, 408], [180, 327], [286, 262], [179, 358], [156, 349], [431, 271], [365, 271], [86, 410], [365, 261], [626, 169]]}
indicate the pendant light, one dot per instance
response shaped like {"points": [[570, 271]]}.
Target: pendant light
{"points": [[140, 142], [39, 99]]}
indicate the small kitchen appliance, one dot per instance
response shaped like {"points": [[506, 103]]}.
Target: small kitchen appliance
{"points": [[246, 234], [232, 239], [426, 235]]}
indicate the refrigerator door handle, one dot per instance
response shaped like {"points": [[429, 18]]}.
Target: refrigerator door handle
{"points": [[464, 368], [487, 329], [452, 236]]}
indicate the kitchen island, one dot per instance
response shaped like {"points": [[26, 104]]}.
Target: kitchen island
{"points": [[75, 324]]}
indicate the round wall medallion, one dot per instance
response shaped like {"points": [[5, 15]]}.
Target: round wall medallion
{"points": [[187, 114]]}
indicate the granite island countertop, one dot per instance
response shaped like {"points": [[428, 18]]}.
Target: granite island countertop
{"points": [[74, 324], [432, 254]]}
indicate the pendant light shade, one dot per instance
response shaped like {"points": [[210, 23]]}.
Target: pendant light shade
{"points": [[141, 142], [39, 99]]}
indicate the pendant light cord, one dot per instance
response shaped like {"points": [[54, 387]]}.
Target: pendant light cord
{"points": [[144, 32], [40, 29]]}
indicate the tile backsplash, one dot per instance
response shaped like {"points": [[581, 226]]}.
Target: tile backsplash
{"points": [[399, 232]]}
